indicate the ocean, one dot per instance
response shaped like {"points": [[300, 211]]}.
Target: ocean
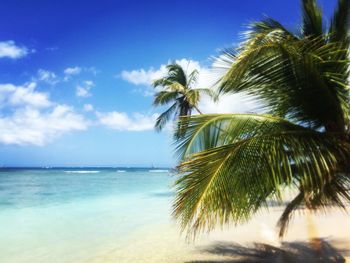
{"points": [[73, 214]]}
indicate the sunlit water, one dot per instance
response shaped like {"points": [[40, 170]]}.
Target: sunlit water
{"points": [[65, 215]]}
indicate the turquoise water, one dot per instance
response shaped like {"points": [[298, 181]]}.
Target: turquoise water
{"points": [[63, 215]]}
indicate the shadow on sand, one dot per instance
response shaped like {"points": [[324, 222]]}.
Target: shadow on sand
{"points": [[318, 250]]}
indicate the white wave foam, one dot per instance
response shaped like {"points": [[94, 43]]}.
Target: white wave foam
{"points": [[82, 172], [158, 171], [121, 171]]}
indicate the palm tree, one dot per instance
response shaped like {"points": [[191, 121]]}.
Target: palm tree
{"points": [[302, 142], [177, 90]]}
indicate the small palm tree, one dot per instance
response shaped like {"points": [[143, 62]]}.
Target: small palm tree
{"points": [[235, 164], [178, 91]]}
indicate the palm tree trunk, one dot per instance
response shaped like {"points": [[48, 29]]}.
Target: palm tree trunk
{"points": [[312, 231]]}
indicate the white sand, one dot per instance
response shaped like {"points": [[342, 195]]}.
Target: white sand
{"points": [[163, 243]]}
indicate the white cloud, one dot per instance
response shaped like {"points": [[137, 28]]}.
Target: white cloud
{"points": [[29, 117], [142, 76], [123, 122], [91, 70], [47, 76], [83, 90], [88, 107], [228, 103], [145, 77], [72, 71], [89, 83], [18, 96], [9, 49], [32, 126]]}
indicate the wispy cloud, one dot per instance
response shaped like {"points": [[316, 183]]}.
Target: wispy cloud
{"points": [[92, 70], [83, 89], [143, 76], [121, 121], [47, 77], [32, 118], [9, 49], [229, 103], [72, 71], [88, 107]]}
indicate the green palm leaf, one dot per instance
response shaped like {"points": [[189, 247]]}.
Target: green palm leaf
{"points": [[164, 97], [177, 89], [232, 165], [285, 75], [165, 117], [312, 19], [227, 128], [176, 74], [230, 181], [340, 22]]}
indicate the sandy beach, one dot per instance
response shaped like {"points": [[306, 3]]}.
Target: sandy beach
{"points": [[256, 241]]}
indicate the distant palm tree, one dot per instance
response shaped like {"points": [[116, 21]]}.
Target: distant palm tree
{"points": [[303, 143], [179, 91]]}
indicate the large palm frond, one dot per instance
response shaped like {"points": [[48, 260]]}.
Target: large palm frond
{"points": [[339, 29], [192, 78], [339, 33], [228, 128], [258, 31], [166, 116], [164, 97], [232, 171], [285, 75], [312, 19], [233, 165], [176, 74]]}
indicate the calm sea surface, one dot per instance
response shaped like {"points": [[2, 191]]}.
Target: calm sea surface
{"points": [[62, 215]]}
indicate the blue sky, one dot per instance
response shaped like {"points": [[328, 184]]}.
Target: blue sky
{"points": [[74, 75]]}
